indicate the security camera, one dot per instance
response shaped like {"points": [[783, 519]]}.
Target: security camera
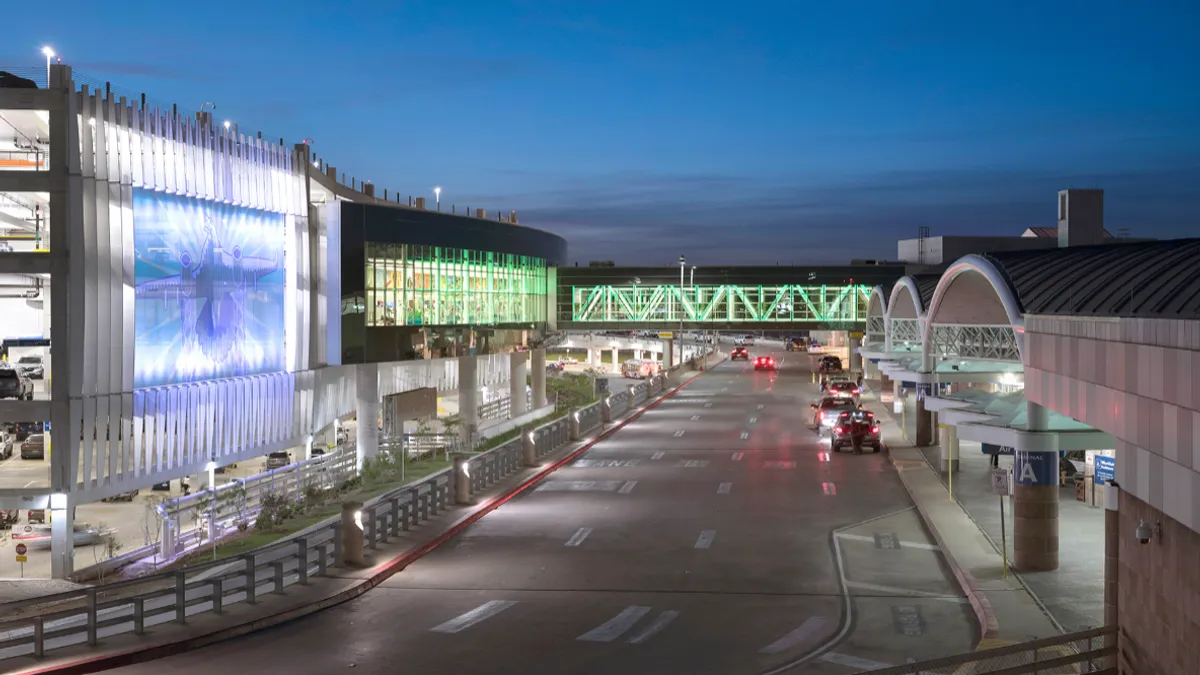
{"points": [[1143, 532]]}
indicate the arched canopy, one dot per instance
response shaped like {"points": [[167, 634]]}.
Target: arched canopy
{"points": [[911, 295], [877, 306], [974, 292]]}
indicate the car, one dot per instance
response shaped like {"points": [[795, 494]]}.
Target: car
{"points": [[14, 384], [34, 447], [32, 367], [826, 411], [855, 422], [829, 364], [796, 344], [764, 363], [748, 340], [6, 445], [739, 353], [277, 460], [123, 497], [23, 430], [844, 389]]}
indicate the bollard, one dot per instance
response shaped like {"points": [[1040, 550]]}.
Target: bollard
{"points": [[606, 409], [573, 424], [462, 478], [529, 448], [352, 534]]}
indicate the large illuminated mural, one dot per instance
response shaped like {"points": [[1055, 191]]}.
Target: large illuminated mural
{"points": [[210, 289]]}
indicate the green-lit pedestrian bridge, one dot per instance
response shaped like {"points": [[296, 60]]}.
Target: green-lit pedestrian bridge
{"points": [[814, 298]]}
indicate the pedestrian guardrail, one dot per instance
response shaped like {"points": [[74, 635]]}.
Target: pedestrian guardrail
{"points": [[1089, 651], [88, 615], [586, 418]]}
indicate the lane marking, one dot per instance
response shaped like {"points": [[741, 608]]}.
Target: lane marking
{"points": [[692, 463], [752, 419], [807, 630], [829, 488], [705, 539], [723, 488], [745, 435], [660, 622], [694, 417], [737, 456], [678, 433], [613, 628], [724, 388], [853, 661], [822, 456], [480, 613], [580, 534], [903, 544], [892, 590], [658, 455], [760, 406], [588, 463], [707, 405], [627, 487], [779, 465]]}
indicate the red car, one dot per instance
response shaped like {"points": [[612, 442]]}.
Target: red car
{"points": [[739, 353], [764, 363]]}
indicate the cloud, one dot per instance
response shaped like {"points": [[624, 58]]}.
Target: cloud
{"points": [[646, 218]]}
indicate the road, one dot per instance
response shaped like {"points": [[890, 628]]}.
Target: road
{"points": [[715, 534]]}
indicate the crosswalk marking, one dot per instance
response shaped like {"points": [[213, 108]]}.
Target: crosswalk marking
{"points": [[627, 487], [737, 456], [724, 488], [613, 628], [753, 420], [678, 433], [892, 590], [903, 544], [760, 406], [660, 622], [464, 621], [695, 418], [745, 435], [705, 539], [580, 534], [707, 405], [807, 630], [658, 455]]}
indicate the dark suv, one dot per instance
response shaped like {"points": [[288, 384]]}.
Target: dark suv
{"points": [[830, 364], [739, 353], [860, 423], [14, 384]]}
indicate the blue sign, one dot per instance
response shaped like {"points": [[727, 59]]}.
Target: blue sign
{"points": [[993, 449], [1105, 469], [1038, 469], [209, 293]]}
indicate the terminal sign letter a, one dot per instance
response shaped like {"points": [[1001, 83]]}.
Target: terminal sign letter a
{"points": [[1028, 475]]}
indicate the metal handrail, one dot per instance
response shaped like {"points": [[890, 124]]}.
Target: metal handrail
{"points": [[80, 616], [1091, 651]]}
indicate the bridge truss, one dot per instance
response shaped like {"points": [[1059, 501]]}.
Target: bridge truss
{"points": [[713, 305]]}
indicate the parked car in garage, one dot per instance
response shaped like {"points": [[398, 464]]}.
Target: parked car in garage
{"points": [[14, 384], [34, 447]]}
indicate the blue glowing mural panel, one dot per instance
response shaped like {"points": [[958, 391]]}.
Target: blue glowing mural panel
{"points": [[210, 289]]}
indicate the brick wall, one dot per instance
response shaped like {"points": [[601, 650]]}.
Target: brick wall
{"points": [[1159, 594]]}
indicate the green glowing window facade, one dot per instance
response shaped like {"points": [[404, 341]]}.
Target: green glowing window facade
{"points": [[413, 285], [721, 304]]}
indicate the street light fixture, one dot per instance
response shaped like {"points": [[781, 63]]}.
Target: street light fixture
{"points": [[437, 197], [682, 264]]}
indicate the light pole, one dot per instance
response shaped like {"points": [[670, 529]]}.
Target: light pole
{"points": [[49, 55], [437, 197], [682, 265]]}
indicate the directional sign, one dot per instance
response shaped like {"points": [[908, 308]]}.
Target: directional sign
{"points": [[666, 335], [1000, 481], [1105, 469], [21, 549], [993, 449], [1038, 469]]}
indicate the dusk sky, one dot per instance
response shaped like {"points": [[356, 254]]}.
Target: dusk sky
{"points": [[754, 132]]}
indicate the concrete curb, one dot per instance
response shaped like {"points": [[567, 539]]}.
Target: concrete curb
{"points": [[381, 573], [982, 607]]}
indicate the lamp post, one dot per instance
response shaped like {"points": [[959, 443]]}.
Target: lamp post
{"points": [[682, 265], [49, 55], [437, 197]]}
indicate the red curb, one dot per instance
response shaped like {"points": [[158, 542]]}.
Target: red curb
{"points": [[386, 571]]}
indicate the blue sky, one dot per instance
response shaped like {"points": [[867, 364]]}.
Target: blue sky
{"points": [[789, 131]]}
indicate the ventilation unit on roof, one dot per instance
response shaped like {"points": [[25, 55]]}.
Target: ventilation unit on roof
{"points": [[1080, 217]]}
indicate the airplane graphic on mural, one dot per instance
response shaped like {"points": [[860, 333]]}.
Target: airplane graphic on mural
{"points": [[211, 291]]}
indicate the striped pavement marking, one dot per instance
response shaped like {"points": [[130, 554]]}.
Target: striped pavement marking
{"points": [[468, 619], [615, 627]]}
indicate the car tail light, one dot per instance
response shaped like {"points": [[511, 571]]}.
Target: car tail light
{"points": [[840, 430], [855, 390], [874, 430]]}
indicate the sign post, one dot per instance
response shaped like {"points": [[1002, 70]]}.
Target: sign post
{"points": [[22, 558], [1000, 487]]}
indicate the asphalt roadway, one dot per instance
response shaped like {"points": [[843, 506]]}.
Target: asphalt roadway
{"points": [[715, 534]]}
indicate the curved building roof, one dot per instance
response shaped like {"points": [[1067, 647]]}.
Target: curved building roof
{"points": [[926, 285], [1155, 279]]}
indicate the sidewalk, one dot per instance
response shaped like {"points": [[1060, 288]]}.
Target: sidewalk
{"points": [[338, 586], [1006, 611]]}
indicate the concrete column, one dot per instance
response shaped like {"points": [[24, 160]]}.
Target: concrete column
{"points": [[897, 397], [616, 362], [518, 369], [308, 446], [352, 533], [1036, 416], [1035, 511], [949, 448], [1112, 552], [468, 394], [62, 537], [668, 347], [539, 377], [367, 433]]}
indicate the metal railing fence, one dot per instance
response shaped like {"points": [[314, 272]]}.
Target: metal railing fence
{"points": [[1090, 651]]}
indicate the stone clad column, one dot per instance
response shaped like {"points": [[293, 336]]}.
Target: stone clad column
{"points": [[367, 434], [949, 447], [1035, 502], [468, 394], [539, 378], [518, 368], [1112, 552]]}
